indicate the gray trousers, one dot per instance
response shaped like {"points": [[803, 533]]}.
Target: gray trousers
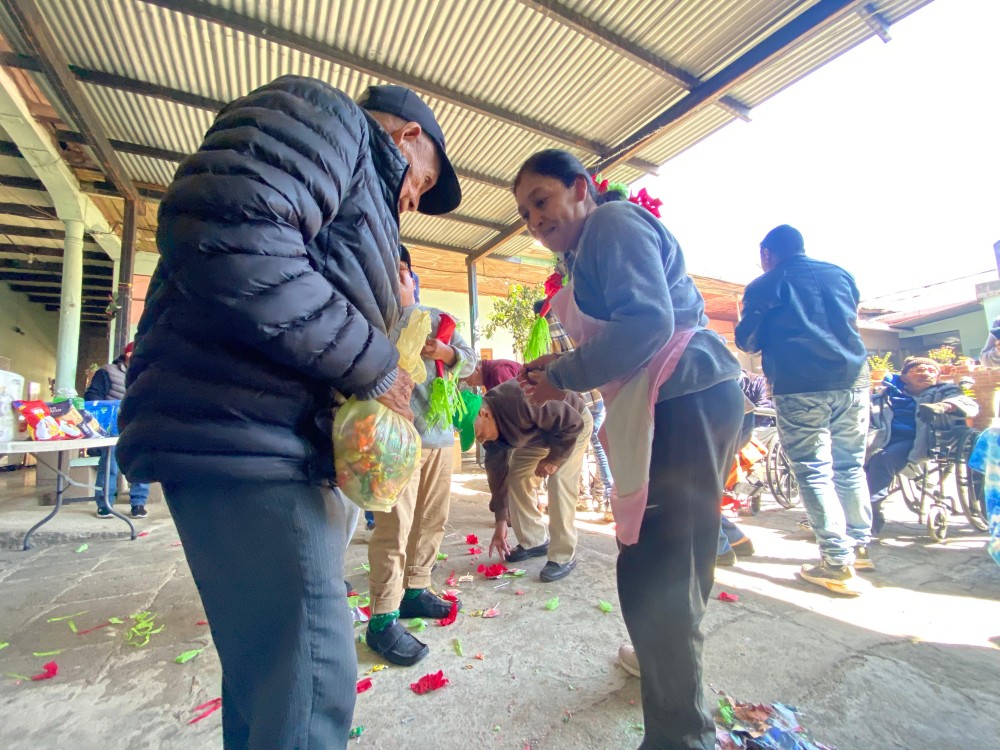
{"points": [[665, 579], [267, 558]]}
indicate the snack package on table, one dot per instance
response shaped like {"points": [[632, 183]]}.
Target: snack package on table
{"points": [[375, 451], [106, 414], [41, 424]]}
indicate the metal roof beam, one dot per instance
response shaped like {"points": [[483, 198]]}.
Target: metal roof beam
{"points": [[27, 19], [431, 245], [33, 279], [876, 21], [638, 54], [804, 26], [29, 254], [43, 266], [41, 213], [262, 30], [24, 183]]}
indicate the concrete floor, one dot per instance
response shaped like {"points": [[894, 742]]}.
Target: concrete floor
{"points": [[915, 663]]}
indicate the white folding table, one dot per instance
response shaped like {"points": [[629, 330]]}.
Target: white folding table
{"points": [[63, 449]]}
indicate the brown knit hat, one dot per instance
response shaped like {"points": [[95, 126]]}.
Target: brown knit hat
{"points": [[914, 361]]}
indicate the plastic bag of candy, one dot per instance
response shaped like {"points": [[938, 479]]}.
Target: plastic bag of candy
{"points": [[41, 424], [106, 414], [411, 342], [375, 451]]}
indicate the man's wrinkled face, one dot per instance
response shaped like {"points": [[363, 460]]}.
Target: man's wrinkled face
{"points": [[425, 164], [485, 425], [919, 378], [475, 380]]}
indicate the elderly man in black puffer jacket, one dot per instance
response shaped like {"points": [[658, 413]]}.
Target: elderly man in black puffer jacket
{"points": [[277, 282]]}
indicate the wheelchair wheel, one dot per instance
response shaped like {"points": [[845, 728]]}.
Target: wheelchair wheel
{"points": [[971, 483], [937, 523], [780, 479]]}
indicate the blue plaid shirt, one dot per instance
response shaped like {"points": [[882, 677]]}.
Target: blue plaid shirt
{"points": [[562, 343]]}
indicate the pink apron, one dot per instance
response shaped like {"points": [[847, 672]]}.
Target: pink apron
{"points": [[627, 434]]}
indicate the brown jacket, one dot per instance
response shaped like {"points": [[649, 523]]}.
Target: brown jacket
{"points": [[555, 425]]}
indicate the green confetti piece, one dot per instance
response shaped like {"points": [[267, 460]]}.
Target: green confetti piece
{"points": [[552, 603], [605, 606], [72, 627], [17, 676], [66, 617], [357, 732], [365, 601], [352, 601], [638, 727], [418, 625], [517, 573], [115, 620], [188, 655], [82, 548], [365, 567], [458, 647], [726, 711], [46, 653], [4, 645], [139, 634], [442, 556]]}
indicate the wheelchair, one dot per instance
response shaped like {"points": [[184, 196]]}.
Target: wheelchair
{"points": [[781, 482], [946, 485]]}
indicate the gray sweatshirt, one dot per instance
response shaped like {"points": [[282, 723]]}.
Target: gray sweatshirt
{"points": [[465, 363], [629, 270]]}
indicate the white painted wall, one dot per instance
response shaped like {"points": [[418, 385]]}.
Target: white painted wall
{"points": [[33, 354]]}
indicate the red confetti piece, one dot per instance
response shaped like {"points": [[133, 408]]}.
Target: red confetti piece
{"points": [[481, 657], [202, 622], [366, 611], [91, 630], [429, 682], [143, 533], [518, 593], [209, 708], [493, 571], [472, 539], [176, 544], [475, 550], [726, 597], [451, 616], [51, 670], [449, 597], [451, 579], [364, 685]]}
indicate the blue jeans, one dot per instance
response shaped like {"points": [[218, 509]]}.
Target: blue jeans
{"points": [[729, 534], [138, 492], [603, 467], [882, 468], [823, 435]]}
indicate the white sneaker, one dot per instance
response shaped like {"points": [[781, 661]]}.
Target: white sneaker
{"points": [[628, 660]]}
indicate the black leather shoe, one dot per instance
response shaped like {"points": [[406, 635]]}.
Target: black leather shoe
{"points": [[554, 571], [520, 553], [396, 645], [426, 605]]}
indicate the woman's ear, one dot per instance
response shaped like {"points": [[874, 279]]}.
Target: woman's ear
{"points": [[580, 188]]}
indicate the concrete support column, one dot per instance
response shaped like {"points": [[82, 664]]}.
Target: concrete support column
{"points": [[70, 306], [473, 303]]}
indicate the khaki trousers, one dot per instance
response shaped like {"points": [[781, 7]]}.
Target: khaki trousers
{"points": [[404, 546], [564, 490]]}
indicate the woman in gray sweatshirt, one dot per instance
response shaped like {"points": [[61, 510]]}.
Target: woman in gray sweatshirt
{"points": [[674, 414]]}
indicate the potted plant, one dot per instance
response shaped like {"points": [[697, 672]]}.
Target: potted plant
{"points": [[880, 365], [945, 356]]}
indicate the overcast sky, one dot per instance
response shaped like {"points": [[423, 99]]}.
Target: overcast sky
{"points": [[887, 160]]}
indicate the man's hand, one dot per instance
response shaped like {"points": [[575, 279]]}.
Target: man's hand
{"points": [[546, 469], [539, 389], [499, 540], [534, 366], [397, 397], [438, 350], [927, 412]]}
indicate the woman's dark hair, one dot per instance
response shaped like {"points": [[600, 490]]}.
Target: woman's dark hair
{"points": [[563, 166]]}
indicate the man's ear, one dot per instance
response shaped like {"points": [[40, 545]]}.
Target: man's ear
{"points": [[409, 132]]}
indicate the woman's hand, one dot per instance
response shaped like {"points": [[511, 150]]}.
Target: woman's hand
{"points": [[499, 540], [539, 389], [534, 366], [438, 350]]}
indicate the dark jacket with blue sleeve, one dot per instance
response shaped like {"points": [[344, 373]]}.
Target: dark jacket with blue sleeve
{"points": [[802, 316], [276, 285]]}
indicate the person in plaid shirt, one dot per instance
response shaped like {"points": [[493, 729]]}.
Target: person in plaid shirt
{"points": [[561, 343]]}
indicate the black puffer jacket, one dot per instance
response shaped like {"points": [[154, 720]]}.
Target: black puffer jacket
{"points": [[276, 285]]}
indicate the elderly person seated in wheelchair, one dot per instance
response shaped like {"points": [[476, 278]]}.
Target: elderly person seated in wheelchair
{"points": [[903, 411]]}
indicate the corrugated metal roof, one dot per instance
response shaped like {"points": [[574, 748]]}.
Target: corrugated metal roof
{"points": [[512, 76]]}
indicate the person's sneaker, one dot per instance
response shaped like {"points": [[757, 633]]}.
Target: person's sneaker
{"points": [[396, 645], [139, 511], [103, 513], [520, 553], [840, 579], [804, 525], [427, 605], [554, 571], [726, 560], [863, 559], [744, 548], [628, 660]]}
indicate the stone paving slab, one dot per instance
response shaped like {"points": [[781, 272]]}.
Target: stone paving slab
{"points": [[915, 663]]}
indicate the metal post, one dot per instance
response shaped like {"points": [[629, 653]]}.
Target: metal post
{"points": [[70, 305], [123, 328], [473, 302]]}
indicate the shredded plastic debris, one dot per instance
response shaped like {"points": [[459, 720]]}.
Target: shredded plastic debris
{"points": [[761, 726], [552, 603], [188, 655], [429, 682], [208, 708], [725, 596]]}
